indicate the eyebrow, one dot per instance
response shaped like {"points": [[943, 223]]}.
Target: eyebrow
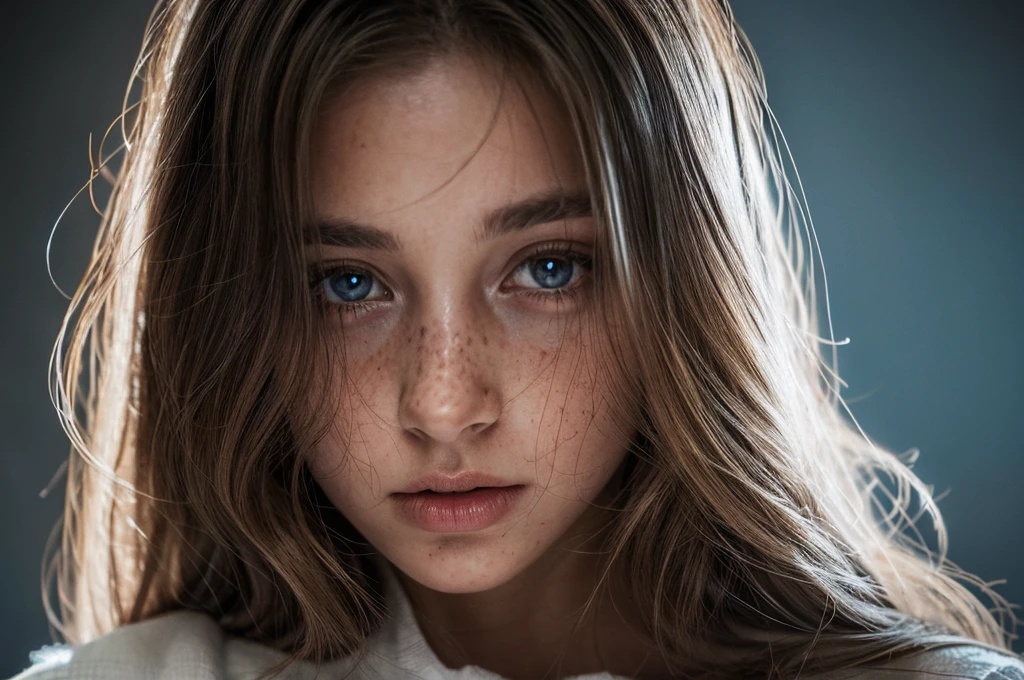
{"points": [[543, 208]]}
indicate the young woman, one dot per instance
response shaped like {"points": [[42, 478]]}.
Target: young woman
{"points": [[471, 339]]}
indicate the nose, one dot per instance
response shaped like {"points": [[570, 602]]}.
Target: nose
{"points": [[449, 391]]}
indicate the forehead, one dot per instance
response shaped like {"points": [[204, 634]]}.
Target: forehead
{"points": [[447, 135]]}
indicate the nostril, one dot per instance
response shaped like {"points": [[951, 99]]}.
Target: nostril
{"points": [[418, 433]]}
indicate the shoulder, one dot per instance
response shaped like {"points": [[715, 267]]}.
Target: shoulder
{"points": [[181, 645], [966, 660], [185, 645], [174, 645]]}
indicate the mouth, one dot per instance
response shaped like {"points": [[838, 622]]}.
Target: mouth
{"points": [[467, 481], [458, 511], [431, 492]]}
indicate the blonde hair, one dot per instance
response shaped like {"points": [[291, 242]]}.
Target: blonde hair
{"points": [[752, 519]]}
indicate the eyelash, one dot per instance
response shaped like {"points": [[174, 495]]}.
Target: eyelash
{"points": [[318, 273]]}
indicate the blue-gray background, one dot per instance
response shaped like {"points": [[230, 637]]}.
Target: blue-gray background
{"points": [[904, 118]]}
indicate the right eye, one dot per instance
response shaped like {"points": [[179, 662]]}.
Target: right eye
{"points": [[347, 286]]}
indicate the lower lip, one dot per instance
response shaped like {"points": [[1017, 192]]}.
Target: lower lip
{"points": [[468, 511]]}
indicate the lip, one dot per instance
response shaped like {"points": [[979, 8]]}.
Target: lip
{"points": [[463, 481], [458, 512]]}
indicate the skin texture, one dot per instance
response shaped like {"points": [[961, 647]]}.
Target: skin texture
{"points": [[456, 367]]}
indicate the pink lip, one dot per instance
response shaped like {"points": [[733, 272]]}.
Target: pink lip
{"points": [[457, 512], [464, 481]]}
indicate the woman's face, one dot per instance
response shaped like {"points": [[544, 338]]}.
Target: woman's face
{"points": [[468, 319]]}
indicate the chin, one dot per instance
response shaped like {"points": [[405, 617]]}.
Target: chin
{"points": [[459, 565]]}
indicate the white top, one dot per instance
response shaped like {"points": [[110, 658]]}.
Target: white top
{"points": [[187, 645]]}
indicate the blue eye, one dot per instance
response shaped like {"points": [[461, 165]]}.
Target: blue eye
{"points": [[351, 286], [552, 272], [346, 286]]}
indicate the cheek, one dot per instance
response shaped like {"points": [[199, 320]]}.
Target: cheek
{"points": [[578, 439], [349, 461]]}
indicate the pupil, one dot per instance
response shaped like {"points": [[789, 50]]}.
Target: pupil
{"points": [[352, 287], [551, 272]]}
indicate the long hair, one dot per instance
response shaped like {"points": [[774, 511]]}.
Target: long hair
{"points": [[761, 531]]}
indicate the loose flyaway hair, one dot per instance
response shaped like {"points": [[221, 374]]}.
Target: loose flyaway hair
{"points": [[759, 530]]}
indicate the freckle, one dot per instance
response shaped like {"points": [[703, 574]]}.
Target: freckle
{"points": [[423, 329], [487, 390], [485, 339]]}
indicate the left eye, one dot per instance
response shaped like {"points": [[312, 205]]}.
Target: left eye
{"points": [[548, 272]]}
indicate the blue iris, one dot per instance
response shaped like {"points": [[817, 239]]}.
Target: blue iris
{"points": [[352, 287], [551, 272]]}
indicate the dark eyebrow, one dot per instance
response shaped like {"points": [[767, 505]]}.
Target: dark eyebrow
{"points": [[548, 207], [343, 233], [541, 209]]}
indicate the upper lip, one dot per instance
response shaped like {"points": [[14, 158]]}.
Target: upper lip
{"points": [[463, 481]]}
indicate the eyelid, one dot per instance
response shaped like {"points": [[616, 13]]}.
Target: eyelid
{"points": [[318, 270], [555, 247]]}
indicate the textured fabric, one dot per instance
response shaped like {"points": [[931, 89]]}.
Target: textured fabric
{"points": [[191, 646], [960, 660]]}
